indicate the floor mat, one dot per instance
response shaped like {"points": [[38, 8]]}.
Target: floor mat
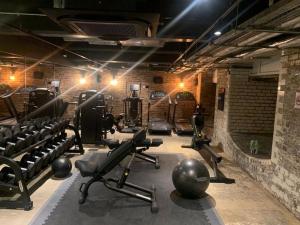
{"points": [[106, 207]]}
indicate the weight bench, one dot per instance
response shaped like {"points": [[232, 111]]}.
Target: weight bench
{"points": [[98, 170], [139, 149]]}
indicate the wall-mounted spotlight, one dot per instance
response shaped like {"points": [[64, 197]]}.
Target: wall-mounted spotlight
{"points": [[181, 84], [82, 78], [114, 81], [218, 33], [12, 75]]}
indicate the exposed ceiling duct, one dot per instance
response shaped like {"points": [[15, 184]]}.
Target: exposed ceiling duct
{"points": [[263, 35]]}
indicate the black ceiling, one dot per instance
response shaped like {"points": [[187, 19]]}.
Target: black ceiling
{"points": [[36, 35]]}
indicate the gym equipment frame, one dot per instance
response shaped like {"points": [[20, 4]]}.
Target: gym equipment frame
{"points": [[98, 170], [26, 188]]}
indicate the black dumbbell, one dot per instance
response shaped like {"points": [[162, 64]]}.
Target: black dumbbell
{"points": [[60, 146], [6, 149], [50, 151], [52, 126], [55, 151], [23, 136], [16, 143], [7, 175], [9, 139], [62, 143], [34, 132], [33, 164], [44, 155]]}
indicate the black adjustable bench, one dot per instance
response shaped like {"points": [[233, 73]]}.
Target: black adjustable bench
{"points": [[139, 148], [97, 170]]}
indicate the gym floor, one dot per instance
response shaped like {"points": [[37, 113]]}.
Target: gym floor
{"points": [[242, 203]]}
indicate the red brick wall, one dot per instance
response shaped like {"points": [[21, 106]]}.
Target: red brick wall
{"points": [[70, 86]]}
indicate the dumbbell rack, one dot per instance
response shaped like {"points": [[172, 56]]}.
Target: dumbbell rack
{"points": [[25, 189]]}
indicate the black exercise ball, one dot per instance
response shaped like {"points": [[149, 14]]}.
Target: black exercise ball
{"points": [[61, 167], [190, 178]]}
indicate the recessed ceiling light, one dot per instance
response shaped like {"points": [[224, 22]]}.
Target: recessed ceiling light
{"points": [[218, 33]]}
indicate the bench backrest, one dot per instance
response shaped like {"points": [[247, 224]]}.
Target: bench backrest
{"points": [[120, 153]]}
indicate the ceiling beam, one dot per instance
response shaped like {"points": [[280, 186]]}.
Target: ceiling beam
{"points": [[270, 30], [89, 49]]}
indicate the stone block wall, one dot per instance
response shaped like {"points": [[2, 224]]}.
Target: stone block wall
{"points": [[252, 103], [280, 175], [71, 88], [221, 117]]}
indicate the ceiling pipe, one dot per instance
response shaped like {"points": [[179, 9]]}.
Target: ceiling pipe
{"points": [[227, 12], [269, 30], [22, 14]]}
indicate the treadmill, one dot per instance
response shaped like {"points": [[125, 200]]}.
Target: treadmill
{"points": [[159, 124], [184, 107]]}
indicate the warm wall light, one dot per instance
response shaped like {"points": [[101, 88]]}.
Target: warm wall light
{"points": [[12, 77], [181, 84], [82, 80], [113, 82]]}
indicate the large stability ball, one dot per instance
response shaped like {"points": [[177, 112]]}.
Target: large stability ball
{"points": [[190, 178], [61, 167]]}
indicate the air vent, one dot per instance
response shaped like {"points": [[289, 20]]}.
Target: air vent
{"points": [[106, 25], [113, 30]]}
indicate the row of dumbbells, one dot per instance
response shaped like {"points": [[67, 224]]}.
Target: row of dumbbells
{"points": [[19, 137], [33, 163]]}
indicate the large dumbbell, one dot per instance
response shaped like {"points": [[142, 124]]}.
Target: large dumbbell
{"points": [[53, 126], [6, 149], [12, 145], [9, 139], [32, 163], [43, 154], [32, 130], [7, 175], [23, 136], [28, 169]]}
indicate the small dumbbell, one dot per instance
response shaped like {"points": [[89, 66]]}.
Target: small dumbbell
{"points": [[50, 151], [56, 150], [44, 155]]}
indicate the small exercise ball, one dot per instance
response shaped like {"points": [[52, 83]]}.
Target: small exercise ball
{"points": [[61, 167], [191, 178]]}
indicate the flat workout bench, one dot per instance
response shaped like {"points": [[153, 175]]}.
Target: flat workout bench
{"points": [[97, 170], [140, 148]]}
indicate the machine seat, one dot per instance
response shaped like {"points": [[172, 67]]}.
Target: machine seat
{"points": [[86, 168]]}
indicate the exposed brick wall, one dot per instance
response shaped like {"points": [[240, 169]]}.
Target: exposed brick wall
{"points": [[252, 103], [207, 96], [281, 174], [70, 87]]}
